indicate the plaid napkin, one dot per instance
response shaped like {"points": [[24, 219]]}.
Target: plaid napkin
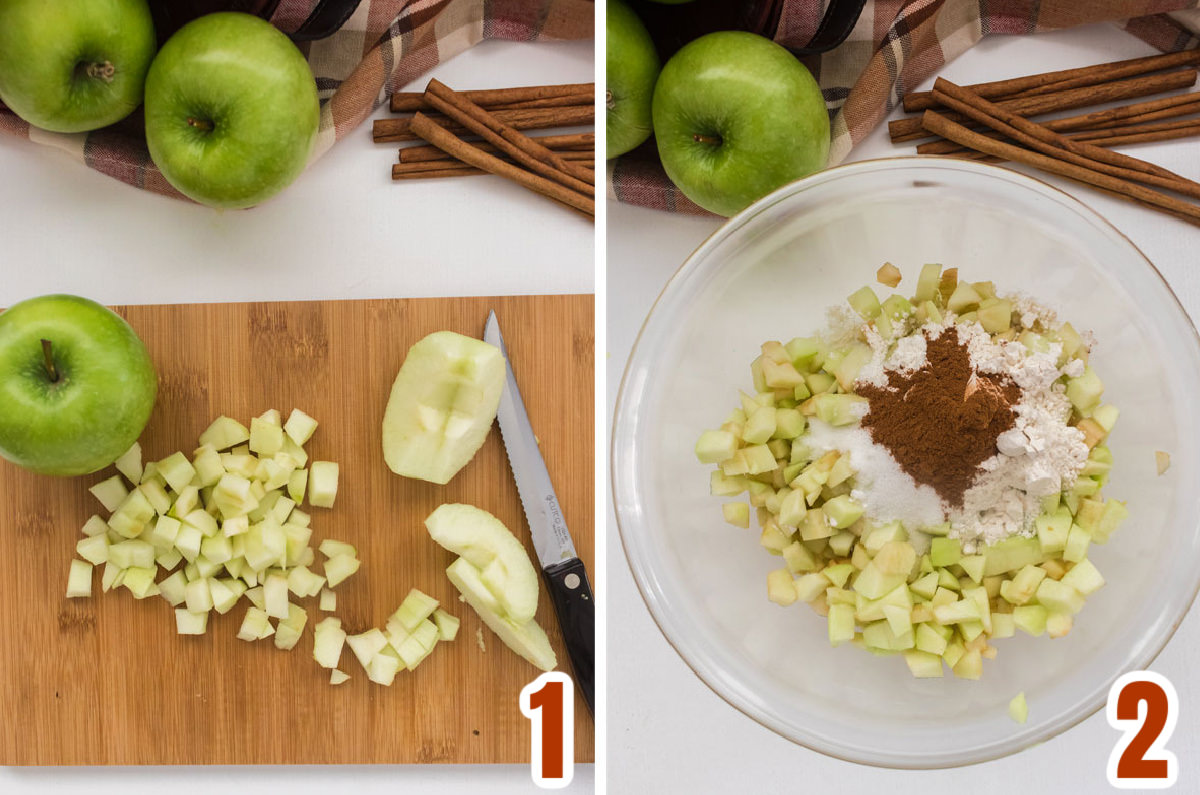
{"points": [[385, 45], [894, 47]]}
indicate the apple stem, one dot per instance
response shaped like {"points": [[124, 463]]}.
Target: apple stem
{"points": [[50, 368], [608, 99], [101, 71], [200, 124], [711, 140]]}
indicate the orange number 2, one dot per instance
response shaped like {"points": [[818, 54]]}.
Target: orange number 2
{"points": [[549, 704], [1139, 759]]}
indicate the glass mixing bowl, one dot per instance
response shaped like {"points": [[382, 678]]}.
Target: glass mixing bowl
{"points": [[769, 274]]}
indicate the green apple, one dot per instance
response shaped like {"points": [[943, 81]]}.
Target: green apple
{"points": [[74, 65], [231, 110], [631, 68], [76, 384], [736, 116]]}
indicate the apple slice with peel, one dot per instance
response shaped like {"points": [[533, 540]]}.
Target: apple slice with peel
{"points": [[487, 545], [525, 638], [442, 406]]}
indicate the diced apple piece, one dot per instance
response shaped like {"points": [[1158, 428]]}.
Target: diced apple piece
{"points": [[864, 302], [366, 645], [297, 484], [922, 664], [79, 580], [879, 635], [780, 588], [1030, 619], [969, 666], [997, 317], [1084, 577], [336, 677], [944, 551], [224, 433], [1058, 597], [839, 410], [188, 623], [288, 633], [888, 275], [339, 567], [328, 601], [174, 589], [300, 427], [963, 299], [841, 624], [130, 464], [447, 624], [1084, 392], [1018, 709], [957, 612], [927, 282], [322, 484], [275, 596], [1162, 461], [253, 625], [527, 638], [714, 447], [93, 549], [177, 471], [266, 437], [382, 669], [1059, 624], [111, 492], [842, 511], [328, 640], [416, 607], [736, 514], [929, 640]]}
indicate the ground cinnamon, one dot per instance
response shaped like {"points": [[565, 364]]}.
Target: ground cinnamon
{"points": [[942, 421]]}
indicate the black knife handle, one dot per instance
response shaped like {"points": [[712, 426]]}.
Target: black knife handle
{"points": [[572, 596]]}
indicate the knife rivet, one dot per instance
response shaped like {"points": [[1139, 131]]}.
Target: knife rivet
{"points": [[571, 581]]}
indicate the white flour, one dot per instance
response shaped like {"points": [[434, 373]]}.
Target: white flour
{"points": [[1041, 455]]}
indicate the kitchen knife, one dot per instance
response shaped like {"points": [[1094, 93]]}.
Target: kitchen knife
{"points": [[565, 576]]}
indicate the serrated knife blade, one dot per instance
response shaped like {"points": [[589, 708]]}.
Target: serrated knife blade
{"points": [[566, 578]]}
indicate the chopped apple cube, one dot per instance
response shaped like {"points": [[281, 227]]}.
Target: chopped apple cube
{"points": [[1018, 709], [300, 427], [288, 633], [336, 677], [303, 582], [275, 596], [922, 664], [1030, 619], [93, 549], [174, 589], [1162, 461], [266, 438], [79, 580], [254, 625], [339, 567], [130, 464], [177, 471], [382, 669], [111, 492], [447, 624], [366, 645], [328, 640], [224, 433], [322, 484], [737, 514], [1084, 577], [140, 581], [187, 623]]}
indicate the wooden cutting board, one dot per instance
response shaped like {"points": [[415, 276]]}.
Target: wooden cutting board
{"points": [[107, 681]]}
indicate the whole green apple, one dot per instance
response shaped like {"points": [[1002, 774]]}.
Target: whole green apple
{"points": [[76, 384], [74, 65], [735, 117], [231, 110], [631, 67]]}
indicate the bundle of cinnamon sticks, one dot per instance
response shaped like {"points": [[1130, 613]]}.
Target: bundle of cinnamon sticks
{"points": [[992, 121], [481, 132]]}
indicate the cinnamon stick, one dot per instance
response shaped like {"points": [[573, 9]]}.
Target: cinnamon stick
{"points": [[1125, 189], [1048, 142], [575, 142], [387, 130], [584, 159], [911, 128], [456, 170], [454, 146], [1046, 82], [493, 98], [1115, 136], [520, 147]]}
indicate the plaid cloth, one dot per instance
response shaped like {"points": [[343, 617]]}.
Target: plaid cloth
{"points": [[894, 47], [385, 45]]}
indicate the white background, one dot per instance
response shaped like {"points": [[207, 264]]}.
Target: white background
{"points": [[343, 230], [667, 731]]}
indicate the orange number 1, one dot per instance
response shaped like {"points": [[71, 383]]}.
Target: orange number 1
{"points": [[549, 704], [1139, 759]]}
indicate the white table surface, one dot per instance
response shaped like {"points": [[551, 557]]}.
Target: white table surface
{"points": [[667, 731], [343, 230]]}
